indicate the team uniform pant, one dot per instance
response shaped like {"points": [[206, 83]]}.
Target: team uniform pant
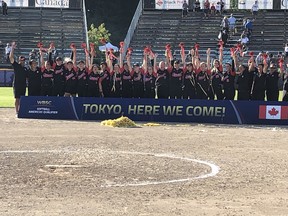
{"points": [[162, 92], [58, 89]]}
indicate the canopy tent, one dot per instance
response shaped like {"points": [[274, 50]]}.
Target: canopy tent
{"points": [[108, 46]]}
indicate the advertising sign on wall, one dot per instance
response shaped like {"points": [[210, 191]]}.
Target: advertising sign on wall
{"points": [[17, 3], [52, 3], [247, 4], [168, 4]]}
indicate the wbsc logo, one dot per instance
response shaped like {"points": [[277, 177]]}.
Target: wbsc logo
{"points": [[44, 103]]}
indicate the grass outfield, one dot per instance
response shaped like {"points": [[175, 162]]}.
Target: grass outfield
{"points": [[7, 98]]}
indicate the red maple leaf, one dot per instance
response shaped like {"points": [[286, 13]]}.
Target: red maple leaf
{"points": [[273, 112]]}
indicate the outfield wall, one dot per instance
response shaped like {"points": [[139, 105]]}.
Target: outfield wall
{"points": [[156, 110]]}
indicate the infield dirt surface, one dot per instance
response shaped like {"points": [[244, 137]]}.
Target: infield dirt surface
{"points": [[53, 167]]}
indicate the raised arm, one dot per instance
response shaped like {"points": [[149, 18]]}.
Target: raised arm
{"points": [[42, 62], [129, 63], [208, 59], [155, 63], [11, 56]]}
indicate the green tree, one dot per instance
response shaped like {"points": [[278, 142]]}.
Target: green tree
{"points": [[96, 34]]}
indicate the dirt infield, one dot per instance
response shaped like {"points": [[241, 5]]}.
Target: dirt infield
{"points": [[51, 167]]}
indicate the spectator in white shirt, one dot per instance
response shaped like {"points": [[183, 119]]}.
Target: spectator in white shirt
{"points": [[255, 9], [7, 52], [232, 22]]}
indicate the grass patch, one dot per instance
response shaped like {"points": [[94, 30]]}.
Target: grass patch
{"points": [[6, 97]]}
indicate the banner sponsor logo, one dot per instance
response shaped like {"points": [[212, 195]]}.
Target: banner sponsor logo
{"points": [[52, 3], [168, 4], [273, 112], [161, 110]]}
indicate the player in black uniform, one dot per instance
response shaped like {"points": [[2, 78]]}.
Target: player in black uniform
{"points": [[137, 79], [176, 81], [259, 81], [34, 79], [228, 81], [189, 82], [47, 76], [149, 78], [126, 78], [272, 91], [244, 81], [82, 74], [162, 78], [20, 75], [71, 76], [104, 82], [203, 73], [59, 78], [116, 81]]}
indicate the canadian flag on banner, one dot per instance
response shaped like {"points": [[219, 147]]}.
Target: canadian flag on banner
{"points": [[273, 112]]}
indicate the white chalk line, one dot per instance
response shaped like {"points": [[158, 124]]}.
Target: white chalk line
{"points": [[214, 168]]}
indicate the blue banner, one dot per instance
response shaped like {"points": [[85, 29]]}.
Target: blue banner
{"points": [[156, 110]]}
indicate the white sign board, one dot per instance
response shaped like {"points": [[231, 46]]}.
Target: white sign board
{"points": [[247, 4], [168, 4], [284, 4], [52, 3], [17, 3]]}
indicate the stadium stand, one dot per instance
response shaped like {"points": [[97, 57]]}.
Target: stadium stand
{"points": [[28, 26]]}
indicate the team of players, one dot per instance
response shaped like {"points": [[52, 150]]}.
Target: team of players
{"points": [[194, 80]]}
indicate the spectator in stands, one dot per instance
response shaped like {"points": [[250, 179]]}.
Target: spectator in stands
{"points": [[249, 27], [286, 50], [197, 6], [218, 8], [7, 52], [20, 75], [4, 8], [206, 9], [185, 9], [232, 22], [33, 55], [213, 9], [259, 58], [244, 41], [225, 24], [222, 3], [255, 9], [224, 37]]}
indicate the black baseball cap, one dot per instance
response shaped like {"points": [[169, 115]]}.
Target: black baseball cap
{"points": [[177, 62], [22, 58], [136, 65], [189, 64], [81, 61], [58, 58]]}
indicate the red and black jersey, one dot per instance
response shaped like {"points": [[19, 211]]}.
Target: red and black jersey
{"points": [[59, 74], [47, 77], [82, 76], [162, 78]]}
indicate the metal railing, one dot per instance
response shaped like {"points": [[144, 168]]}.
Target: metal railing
{"points": [[133, 24], [85, 24]]}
